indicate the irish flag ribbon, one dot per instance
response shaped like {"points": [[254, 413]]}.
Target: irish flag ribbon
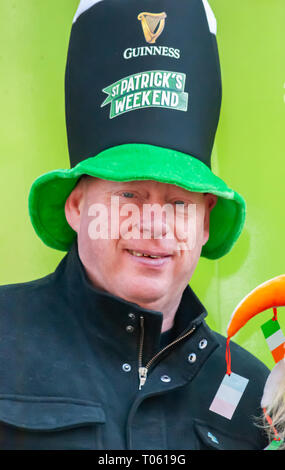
{"points": [[274, 338]]}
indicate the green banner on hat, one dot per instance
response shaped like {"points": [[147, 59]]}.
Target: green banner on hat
{"points": [[154, 88]]}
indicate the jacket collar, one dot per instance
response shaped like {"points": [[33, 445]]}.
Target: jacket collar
{"points": [[102, 313]]}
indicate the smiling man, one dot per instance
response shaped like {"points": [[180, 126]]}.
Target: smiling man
{"points": [[151, 266], [112, 351]]}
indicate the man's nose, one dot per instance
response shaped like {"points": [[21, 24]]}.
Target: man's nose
{"points": [[156, 221]]}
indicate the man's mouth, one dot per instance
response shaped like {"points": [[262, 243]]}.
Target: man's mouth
{"points": [[147, 255]]}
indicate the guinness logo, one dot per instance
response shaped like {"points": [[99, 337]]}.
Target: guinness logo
{"points": [[152, 25]]}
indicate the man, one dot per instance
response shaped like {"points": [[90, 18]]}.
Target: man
{"points": [[115, 265], [111, 351]]}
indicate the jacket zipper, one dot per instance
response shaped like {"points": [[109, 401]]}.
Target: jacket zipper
{"points": [[143, 370]]}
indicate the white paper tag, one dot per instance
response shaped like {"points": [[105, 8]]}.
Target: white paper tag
{"points": [[228, 395]]}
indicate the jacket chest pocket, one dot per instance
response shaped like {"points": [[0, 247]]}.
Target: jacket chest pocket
{"points": [[212, 438], [50, 423]]}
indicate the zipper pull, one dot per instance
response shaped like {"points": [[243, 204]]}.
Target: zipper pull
{"points": [[142, 376]]}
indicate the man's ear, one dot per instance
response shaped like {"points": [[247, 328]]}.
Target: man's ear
{"points": [[74, 204], [210, 202]]}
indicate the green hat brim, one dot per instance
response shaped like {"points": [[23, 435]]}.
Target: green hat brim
{"points": [[131, 162]]}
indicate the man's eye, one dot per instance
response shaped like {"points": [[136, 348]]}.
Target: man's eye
{"points": [[127, 194], [179, 202]]}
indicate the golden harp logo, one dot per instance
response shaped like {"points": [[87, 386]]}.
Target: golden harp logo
{"points": [[152, 25]]}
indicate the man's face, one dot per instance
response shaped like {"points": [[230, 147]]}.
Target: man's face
{"points": [[147, 257]]}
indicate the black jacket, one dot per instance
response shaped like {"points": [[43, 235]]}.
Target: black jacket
{"points": [[69, 372]]}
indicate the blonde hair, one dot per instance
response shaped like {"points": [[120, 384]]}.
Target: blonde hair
{"points": [[275, 425]]}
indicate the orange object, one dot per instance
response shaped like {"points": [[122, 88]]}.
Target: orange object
{"points": [[270, 294], [278, 353]]}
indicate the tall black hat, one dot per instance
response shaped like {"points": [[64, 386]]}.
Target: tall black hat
{"points": [[143, 98]]}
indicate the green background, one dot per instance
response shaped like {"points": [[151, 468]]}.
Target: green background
{"points": [[249, 152]]}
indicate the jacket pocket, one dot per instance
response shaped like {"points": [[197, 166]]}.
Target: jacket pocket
{"points": [[45, 423], [213, 438]]}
